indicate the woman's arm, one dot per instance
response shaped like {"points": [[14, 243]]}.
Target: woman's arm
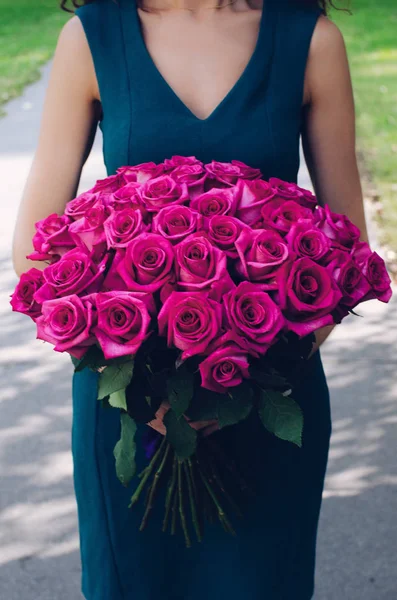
{"points": [[329, 140], [67, 131]]}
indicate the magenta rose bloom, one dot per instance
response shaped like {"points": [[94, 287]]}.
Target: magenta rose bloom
{"points": [[226, 232], [163, 191], [252, 196], [201, 266], [89, 229], [292, 191], [123, 226], [216, 202], [175, 223], [307, 295], [67, 323], [247, 172], [374, 269], [52, 238], [253, 316], [281, 214], [128, 196], [307, 241], [261, 254], [341, 231], [22, 300], [74, 273], [222, 174], [351, 281], [190, 320], [194, 176], [108, 185], [177, 161], [141, 173], [78, 207], [123, 321], [144, 266], [225, 367]]}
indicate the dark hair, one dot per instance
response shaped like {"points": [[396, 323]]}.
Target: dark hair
{"points": [[325, 5]]}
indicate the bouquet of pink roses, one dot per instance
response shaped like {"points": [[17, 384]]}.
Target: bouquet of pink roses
{"points": [[184, 282]]}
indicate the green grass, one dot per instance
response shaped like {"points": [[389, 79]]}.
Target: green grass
{"points": [[28, 33], [371, 39]]}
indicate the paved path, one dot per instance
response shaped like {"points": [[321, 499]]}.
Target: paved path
{"points": [[38, 534]]}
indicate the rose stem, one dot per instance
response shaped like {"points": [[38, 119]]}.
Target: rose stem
{"points": [[201, 514], [218, 480], [170, 492], [153, 488], [174, 513], [231, 466], [181, 506], [221, 513], [192, 499], [147, 474]]}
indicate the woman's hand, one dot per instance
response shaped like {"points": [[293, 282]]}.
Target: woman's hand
{"points": [[321, 336], [205, 427]]}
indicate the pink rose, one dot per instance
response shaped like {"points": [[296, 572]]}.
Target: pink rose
{"points": [[307, 295], [52, 238], [145, 265], [374, 269], [74, 273], [66, 323], [190, 320], [177, 161], [109, 184], [194, 176], [89, 229], [253, 316], [122, 226], [163, 191], [176, 222], [22, 300], [261, 255], [341, 231], [222, 174], [143, 172], [227, 232], [292, 191], [77, 207], [307, 241], [128, 196], [216, 202], [127, 174], [225, 367], [247, 172], [252, 196], [351, 281], [123, 321], [201, 266], [281, 214]]}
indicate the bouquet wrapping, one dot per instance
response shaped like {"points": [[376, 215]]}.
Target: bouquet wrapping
{"points": [[198, 287]]}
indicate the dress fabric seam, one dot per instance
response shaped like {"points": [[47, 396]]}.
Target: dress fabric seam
{"points": [[129, 85]]}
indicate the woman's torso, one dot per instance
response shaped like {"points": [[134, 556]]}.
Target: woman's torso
{"points": [[257, 121]]}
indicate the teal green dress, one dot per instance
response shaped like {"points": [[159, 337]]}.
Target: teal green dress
{"points": [[258, 122]]}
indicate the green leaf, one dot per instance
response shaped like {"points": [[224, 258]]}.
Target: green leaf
{"points": [[268, 377], [124, 450], [118, 399], [282, 416], [235, 406], [180, 435], [180, 390], [204, 405], [115, 378]]}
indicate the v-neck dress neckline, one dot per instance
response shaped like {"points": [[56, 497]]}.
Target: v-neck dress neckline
{"points": [[148, 64]]}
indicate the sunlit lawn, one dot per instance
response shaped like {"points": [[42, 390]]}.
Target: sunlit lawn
{"points": [[28, 34], [371, 37]]}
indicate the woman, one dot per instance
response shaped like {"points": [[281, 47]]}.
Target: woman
{"points": [[232, 81]]}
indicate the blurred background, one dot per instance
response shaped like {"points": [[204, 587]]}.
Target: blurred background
{"points": [[357, 544]]}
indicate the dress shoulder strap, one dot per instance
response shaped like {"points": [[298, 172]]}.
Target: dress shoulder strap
{"points": [[103, 27]]}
